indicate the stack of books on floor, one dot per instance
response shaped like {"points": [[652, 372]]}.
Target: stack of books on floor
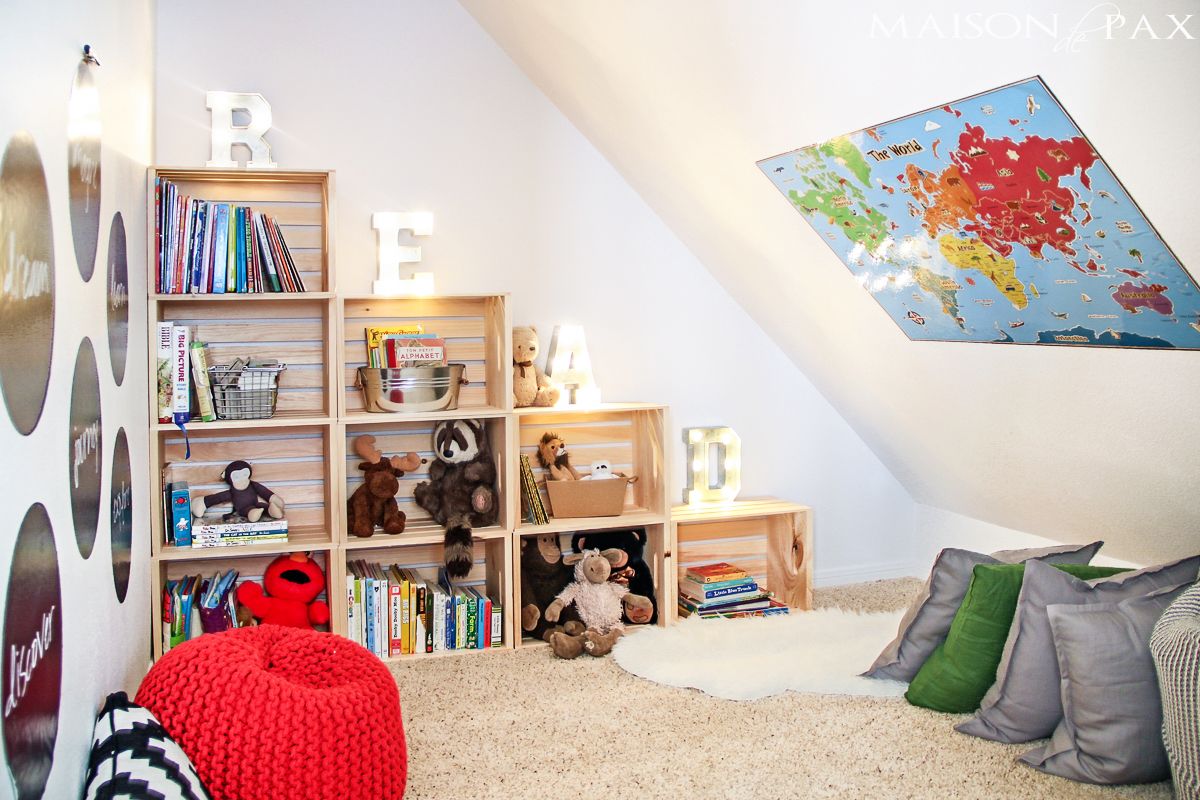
{"points": [[394, 611], [218, 248], [724, 590], [532, 508]]}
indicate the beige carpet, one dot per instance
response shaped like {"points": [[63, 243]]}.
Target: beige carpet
{"points": [[525, 725]]}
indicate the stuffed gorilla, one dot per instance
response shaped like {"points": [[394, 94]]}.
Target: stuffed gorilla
{"points": [[634, 572], [543, 576]]}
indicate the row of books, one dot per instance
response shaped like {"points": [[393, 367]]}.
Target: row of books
{"points": [[193, 605], [212, 530], [533, 509], [394, 611], [403, 346], [218, 248], [724, 590]]}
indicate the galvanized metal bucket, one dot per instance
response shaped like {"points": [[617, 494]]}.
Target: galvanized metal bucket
{"points": [[410, 390]]}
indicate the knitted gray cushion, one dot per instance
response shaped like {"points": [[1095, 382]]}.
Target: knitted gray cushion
{"points": [[1024, 703], [1112, 717], [1175, 646], [928, 619]]}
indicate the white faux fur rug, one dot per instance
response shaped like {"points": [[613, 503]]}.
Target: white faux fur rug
{"points": [[820, 652]]}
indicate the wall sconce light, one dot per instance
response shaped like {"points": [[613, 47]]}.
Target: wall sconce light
{"points": [[569, 365], [225, 134], [392, 254], [714, 465]]}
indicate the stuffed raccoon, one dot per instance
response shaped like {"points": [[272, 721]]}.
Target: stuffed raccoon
{"points": [[461, 491]]}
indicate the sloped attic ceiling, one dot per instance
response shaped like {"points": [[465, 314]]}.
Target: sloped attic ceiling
{"points": [[684, 96]]}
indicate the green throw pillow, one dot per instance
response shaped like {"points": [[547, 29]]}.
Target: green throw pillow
{"points": [[959, 672]]}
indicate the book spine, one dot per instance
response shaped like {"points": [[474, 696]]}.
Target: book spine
{"points": [[158, 282], [396, 636], [278, 263], [165, 383], [248, 252], [231, 251], [350, 604], [369, 604], [220, 248], [208, 543], [262, 526], [181, 514], [360, 611], [293, 273], [419, 628], [199, 353], [181, 399], [378, 600], [712, 594], [428, 618], [497, 624], [708, 587]]}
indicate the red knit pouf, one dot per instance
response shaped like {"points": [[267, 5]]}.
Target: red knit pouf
{"points": [[268, 713]]}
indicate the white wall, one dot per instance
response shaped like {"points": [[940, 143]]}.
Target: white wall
{"points": [[106, 644], [684, 96], [417, 108]]}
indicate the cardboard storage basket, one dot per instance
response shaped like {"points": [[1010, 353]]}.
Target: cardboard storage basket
{"points": [[604, 498]]}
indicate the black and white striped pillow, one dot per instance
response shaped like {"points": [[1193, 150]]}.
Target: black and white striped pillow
{"points": [[134, 758]]}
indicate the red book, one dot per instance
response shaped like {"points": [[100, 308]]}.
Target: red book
{"points": [[395, 631]]}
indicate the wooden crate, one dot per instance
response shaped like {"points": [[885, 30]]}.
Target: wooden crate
{"points": [[657, 555], [295, 329], [250, 566], [398, 435], [476, 330], [492, 574], [629, 436], [771, 539], [294, 462], [302, 202]]}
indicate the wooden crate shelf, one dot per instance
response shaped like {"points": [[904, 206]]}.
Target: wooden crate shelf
{"points": [[629, 436], [250, 566], [301, 200], [291, 461], [422, 533], [657, 555], [476, 332], [769, 538], [399, 434], [633, 518], [492, 575]]}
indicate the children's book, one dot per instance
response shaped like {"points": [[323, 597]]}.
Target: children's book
{"points": [[165, 382]]}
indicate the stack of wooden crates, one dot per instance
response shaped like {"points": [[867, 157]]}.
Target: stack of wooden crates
{"points": [[305, 453]]}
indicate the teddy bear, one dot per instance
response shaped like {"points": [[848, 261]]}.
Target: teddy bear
{"points": [[288, 595], [598, 601], [374, 501], [461, 491], [531, 387], [552, 454], [632, 569], [249, 498], [543, 576]]}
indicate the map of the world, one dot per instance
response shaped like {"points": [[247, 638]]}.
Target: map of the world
{"points": [[993, 219]]}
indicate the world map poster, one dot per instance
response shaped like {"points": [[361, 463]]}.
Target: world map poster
{"points": [[993, 219]]}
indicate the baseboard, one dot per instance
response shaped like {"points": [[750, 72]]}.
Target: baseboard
{"points": [[860, 573]]}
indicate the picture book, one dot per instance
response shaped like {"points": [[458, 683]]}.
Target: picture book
{"points": [[165, 382], [199, 354]]}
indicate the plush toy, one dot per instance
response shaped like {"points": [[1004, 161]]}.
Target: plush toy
{"points": [[598, 601], [292, 583], [601, 471], [552, 454], [249, 498], [543, 576], [531, 387], [461, 491], [374, 501], [632, 569]]}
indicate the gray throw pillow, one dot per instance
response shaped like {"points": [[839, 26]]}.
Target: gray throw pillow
{"points": [[1024, 703], [928, 619], [1112, 714]]}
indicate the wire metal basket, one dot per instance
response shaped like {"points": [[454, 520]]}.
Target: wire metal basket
{"points": [[245, 392]]}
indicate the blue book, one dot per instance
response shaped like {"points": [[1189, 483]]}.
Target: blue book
{"points": [[369, 605], [181, 513], [220, 248]]}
